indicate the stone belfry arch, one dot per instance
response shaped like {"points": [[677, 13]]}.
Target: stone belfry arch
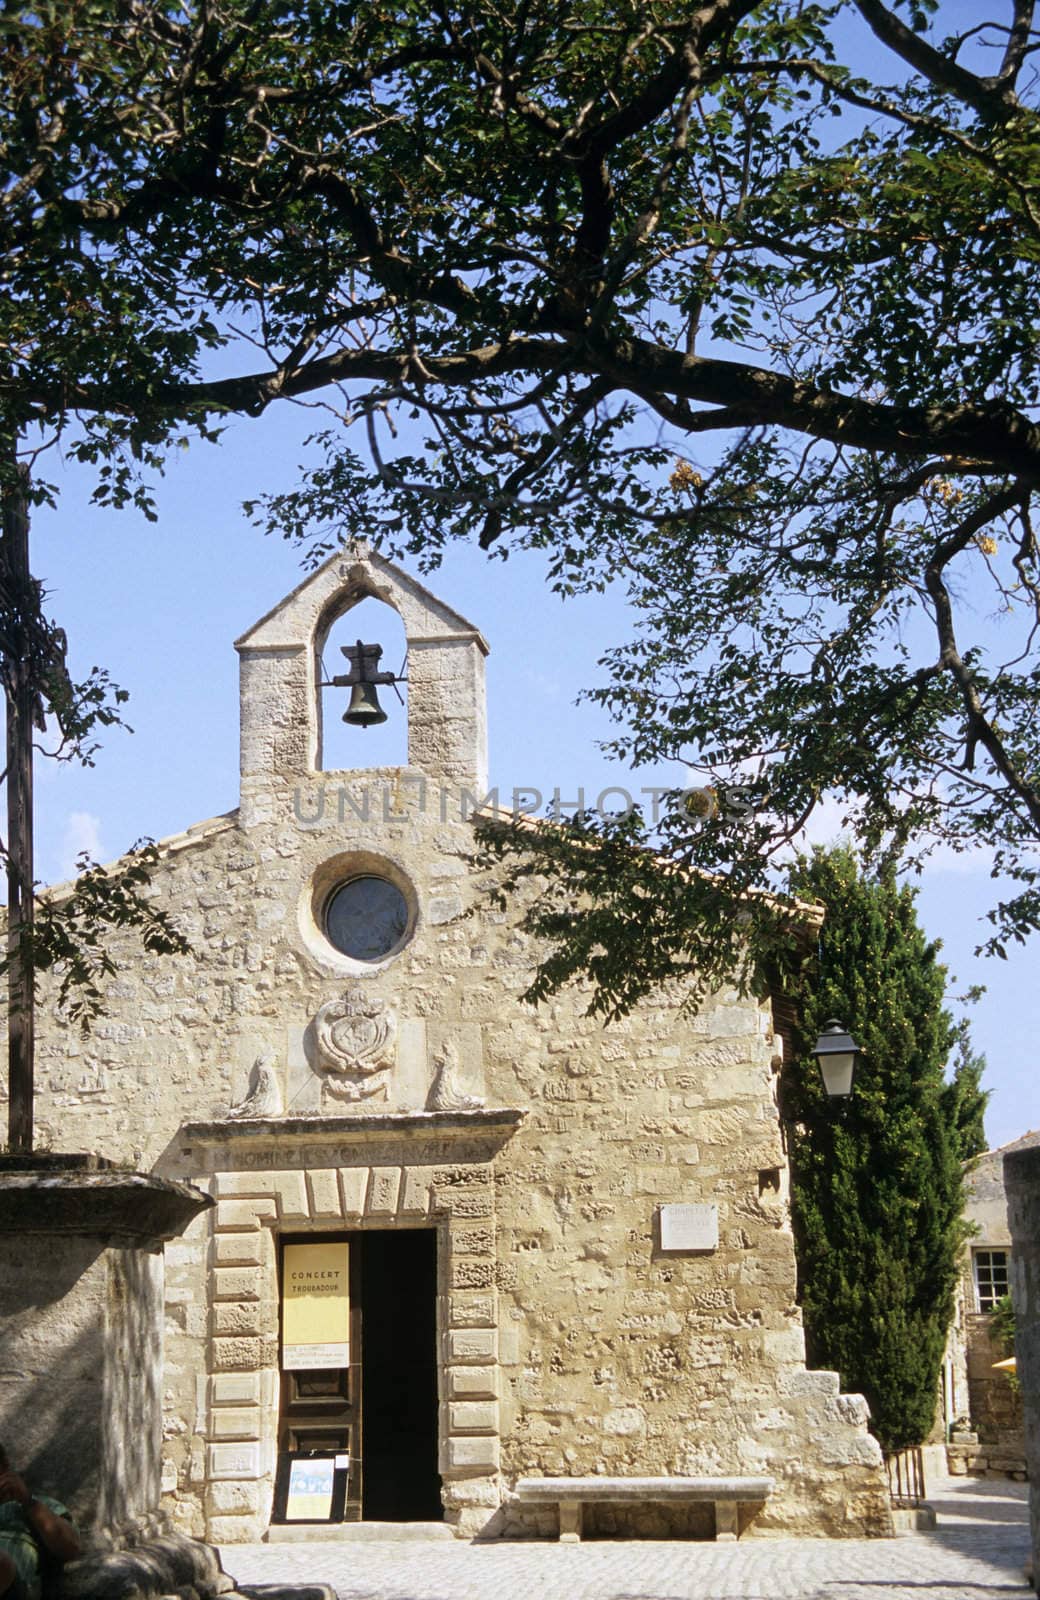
{"points": [[280, 693]]}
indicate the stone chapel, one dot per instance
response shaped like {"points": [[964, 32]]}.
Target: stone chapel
{"points": [[469, 1262]]}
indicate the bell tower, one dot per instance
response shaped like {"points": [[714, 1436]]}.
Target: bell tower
{"points": [[280, 681]]}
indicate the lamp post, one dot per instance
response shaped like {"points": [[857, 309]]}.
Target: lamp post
{"points": [[837, 1055]]}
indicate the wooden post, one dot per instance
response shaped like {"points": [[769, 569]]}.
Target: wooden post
{"points": [[19, 695]]}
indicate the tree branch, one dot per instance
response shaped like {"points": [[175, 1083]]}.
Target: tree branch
{"points": [[993, 98], [1018, 41], [980, 730], [983, 438]]}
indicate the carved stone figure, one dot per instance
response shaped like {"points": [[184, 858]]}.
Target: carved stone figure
{"points": [[356, 1038], [265, 1097], [447, 1093]]}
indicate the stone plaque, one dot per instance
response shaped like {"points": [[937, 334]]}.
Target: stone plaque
{"points": [[234, 1461], [689, 1227]]}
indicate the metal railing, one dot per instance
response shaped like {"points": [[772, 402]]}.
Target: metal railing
{"points": [[905, 1470]]}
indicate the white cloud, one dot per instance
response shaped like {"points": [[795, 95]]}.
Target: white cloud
{"points": [[82, 831]]}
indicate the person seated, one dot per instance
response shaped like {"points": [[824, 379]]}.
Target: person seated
{"points": [[35, 1533]]}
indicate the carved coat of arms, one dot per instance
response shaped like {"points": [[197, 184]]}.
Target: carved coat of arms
{"points": [[356, 1040]]}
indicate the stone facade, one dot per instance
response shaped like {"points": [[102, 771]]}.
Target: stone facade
{"points": [[418, 1091], [983, 1405], [1022, 1182]]}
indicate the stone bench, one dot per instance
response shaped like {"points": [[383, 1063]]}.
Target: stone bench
{"points": [[725, 1494]]}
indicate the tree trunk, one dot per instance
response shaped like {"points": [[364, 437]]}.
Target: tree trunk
{"points": [[18, 690]]}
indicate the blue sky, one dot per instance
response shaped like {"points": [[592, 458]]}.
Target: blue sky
{"points": [[160, 606]]}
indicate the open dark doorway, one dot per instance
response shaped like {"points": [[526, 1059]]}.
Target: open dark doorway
{"points": [[400, 1481]]}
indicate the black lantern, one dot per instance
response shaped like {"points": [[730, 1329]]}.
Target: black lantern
{"points": [[837, 1055]]}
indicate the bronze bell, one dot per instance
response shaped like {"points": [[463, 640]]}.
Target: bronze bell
{"points": [[364, 710]]}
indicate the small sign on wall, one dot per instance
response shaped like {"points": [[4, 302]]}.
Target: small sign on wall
{"points": [[689, 1227], [315, 1306]]}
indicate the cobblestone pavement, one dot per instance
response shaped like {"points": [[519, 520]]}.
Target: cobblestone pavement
{"points": [[976, 1553]]}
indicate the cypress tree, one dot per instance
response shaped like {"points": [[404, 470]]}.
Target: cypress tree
{"points": [[966, 1098], [878, 1180]]}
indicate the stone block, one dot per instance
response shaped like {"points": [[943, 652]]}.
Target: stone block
{"points": [[473, 1242], [786, 1346], [470, 1310], [462, 1205], [243, 1215], [625, 1421], [473, 1383], [236, 1283], [809, 1385], [471, 1521], [476, 1491], [324, 1193], [383, 1190], [240, 1461], [852, 1409], [473, 1416], [238, 1249], [470, 1274], [236, 1318], [415, 1194], [240, 1183], [236, 1355], [354, 1185], [235, 1422], [291, 1190], [477, 1454], [235, 1389], [473, 1346], [231, 1498], [843, 1449], [234, 1530]]}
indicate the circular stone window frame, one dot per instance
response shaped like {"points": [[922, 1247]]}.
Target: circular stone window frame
{"points": [[326, 880]]}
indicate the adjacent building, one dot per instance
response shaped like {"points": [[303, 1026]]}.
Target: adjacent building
{"points": [[982, 1403]]}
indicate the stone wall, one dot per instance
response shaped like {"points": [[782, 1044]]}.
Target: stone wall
{"points": [[70, 1327], [1022, 1183], [985, 1401], [81, 1338], [996, 1403], [571, 1341]]}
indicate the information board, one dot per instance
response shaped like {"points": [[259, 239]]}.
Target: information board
{"points": [[311, 1485], [689, 1227], [315, 1305]]}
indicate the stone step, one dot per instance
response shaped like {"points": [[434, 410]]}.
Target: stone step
{"points": [[339, 1532]]}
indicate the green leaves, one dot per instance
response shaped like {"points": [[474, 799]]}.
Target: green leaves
{"points": [[72, 932], [530, 258], [877, 1182]]}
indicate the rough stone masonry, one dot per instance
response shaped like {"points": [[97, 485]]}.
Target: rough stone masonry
{"points": [[582, 1327]]}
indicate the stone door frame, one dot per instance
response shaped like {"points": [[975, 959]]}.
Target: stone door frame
{"points": [[242, 1375]]}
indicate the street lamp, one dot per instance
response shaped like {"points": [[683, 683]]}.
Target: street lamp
{"points": [[837, 1055]]}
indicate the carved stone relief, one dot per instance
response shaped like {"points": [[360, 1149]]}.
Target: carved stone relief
{"points": [[355, 1045], [448, 1092], [264, 1097]]}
